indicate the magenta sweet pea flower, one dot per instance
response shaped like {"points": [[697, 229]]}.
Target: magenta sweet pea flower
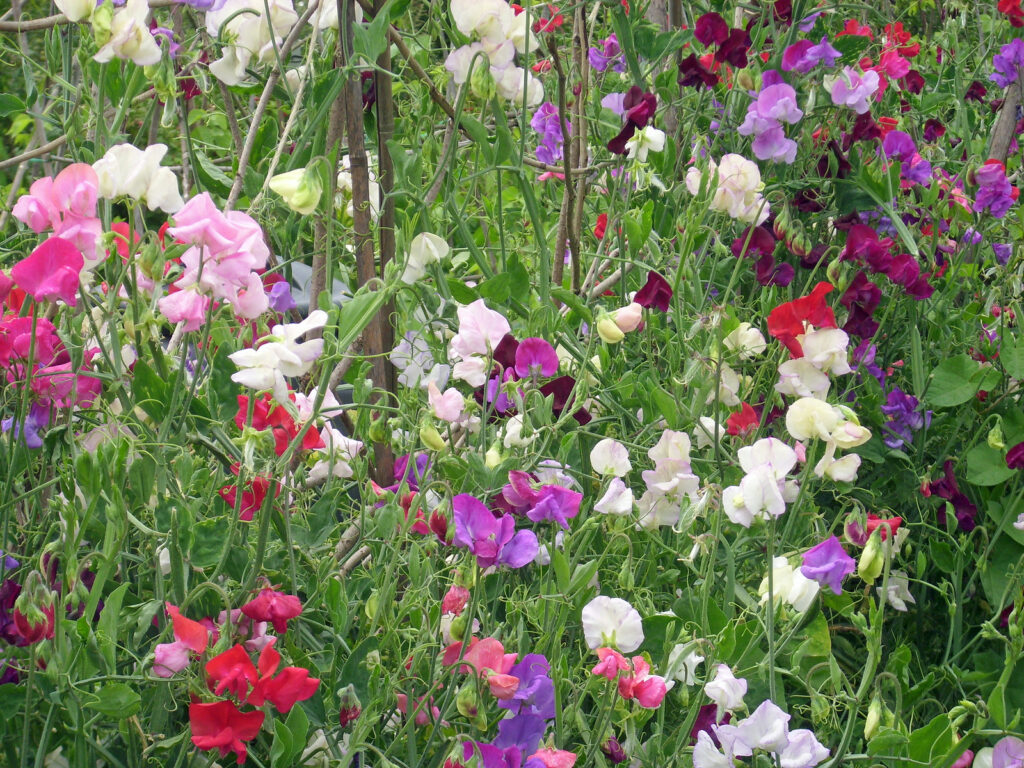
{"points": [[556, 504], [803, 56], [535, 357], [828, 564], [1015, 457], [51, 271], [493, 540]]}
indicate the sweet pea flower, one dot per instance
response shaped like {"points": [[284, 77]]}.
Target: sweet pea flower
{"points": [[648, 690], [493, 540], [803, 56], [425, 249], [828, 564], [76, 10], [280, 355], [617, 500], [803, 750], [746, 341], [762, 491], [448, 406], [736, 188], [898, 592], [645, 140], [535, 357], [1008, 753], [726, 690], [50, 272], [766, 728], [299, 188], [853, 90], [249, 32], [130, 37], [789, 585], [809, 418], [682, 663], [127, 171], [610, 457], [611, 621]]}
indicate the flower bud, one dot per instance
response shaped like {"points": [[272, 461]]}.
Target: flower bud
{"points": [[300, 189], [493, 457], [745, 80], [467, 701], [995, 438], [874, 717], [614, 751], [432, 438], [351, 707], [628, 318], [455, 600], [872, 559], [609, 331]]}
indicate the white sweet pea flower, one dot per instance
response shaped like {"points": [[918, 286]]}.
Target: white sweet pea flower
{"points": [[279, 356], [617, 500], [76, 10], [708, 432], [340, 450], [425, 249], [825, 348], [728, 387], [646, 140], [789, 585], [707, 755], [801, 378], [612, 622], [299, 188], [898, 593], [746, 341], [762, 491], [657, 509], [726, 690], [849, 434], [682, 663], [766, 728], [513, 437], [610, 457], [127, 171], [804, 750], [130, 37], [809, 418], [248, 32]]}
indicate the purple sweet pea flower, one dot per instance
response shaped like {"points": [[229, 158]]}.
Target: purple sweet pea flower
{"points": [[28, 430], [608, 55], [904, 418], [898, 145], [774, 105], [853, 89], [493, 540], [280, 297], [204, 5], [556, 504], [545, 122], [1007, 63], [803, 56], [522, 732], [807, 22], [828, 564], [994, 191], [1002, 252], [535, 357], [536, 692], [9, 562], [492, 756], [1008, 753], [917, 170]]}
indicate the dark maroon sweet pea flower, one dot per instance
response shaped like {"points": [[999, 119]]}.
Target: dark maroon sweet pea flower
{"points": [[933, 130], [975, 92], [656, 293], [860, 323], [947, 488], [734, 49], [767, 272], [1015, 457], [706, 717], [807, 201], [816, 254], [711, 29], [505, 352], [762, 243], [693, 74], [864, 129], [561, 391], [913, 82], [862, 293], [639, 107]]}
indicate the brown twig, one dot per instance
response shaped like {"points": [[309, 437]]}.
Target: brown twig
{"points": [[366, 267], [48, 22], [49, 146], [1003, 131]]}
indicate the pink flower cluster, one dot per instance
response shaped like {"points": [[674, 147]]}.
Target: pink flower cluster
{"points": [[226, 251], [67, 206], [648, 690]]}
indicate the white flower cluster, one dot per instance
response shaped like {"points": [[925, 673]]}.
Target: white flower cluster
{"points": [[247, 31], [824, 353], [810, 418], [764, 491], [670, 484], [736, 188], [501, 34]]}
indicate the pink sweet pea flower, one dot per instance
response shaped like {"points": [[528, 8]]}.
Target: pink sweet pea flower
{"points": [[612, 662], [648, 690], [503, 686], [550, 757], [50, 272]]}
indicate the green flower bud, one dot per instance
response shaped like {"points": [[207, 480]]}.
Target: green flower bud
{"points": [[300, 189], [872, 559]]}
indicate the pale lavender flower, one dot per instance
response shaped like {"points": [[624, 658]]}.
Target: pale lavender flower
{"points": [[853, 89]]}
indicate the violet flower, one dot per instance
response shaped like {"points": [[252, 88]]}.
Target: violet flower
{"points": [[280, 297], [904, 418], [492, 756], [608, 55], [1002, 252], [803, 56], [556, 504], [536, 692], [545, 122], [828, 564], [853, 89], [494, 540], [994, 191], [522, 733], [1007, 63], [774, 105]]}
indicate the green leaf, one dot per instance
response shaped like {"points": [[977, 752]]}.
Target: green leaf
{"points": [[371, 39], [212, 177], [497, 289], [932, 741], [106, 628], [574, 302], [461, 292], [1011, 355], [12, 697], [354, 672], [152, 393], [116, 700], [987, 466], [942, 556], [10, 105], [954, 381], [209, 543], [561, 568]]}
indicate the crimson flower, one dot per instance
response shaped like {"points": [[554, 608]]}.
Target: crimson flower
{"points": [[1015, 457], [275, 607], [232, 671], [744, 421], [223, 727], [787, 321], [655, 293]]}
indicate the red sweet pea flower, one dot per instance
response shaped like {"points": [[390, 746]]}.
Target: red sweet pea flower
{"points": [[876, 523], [601, 226], [787, 321], [853, 28], [232, 671], [292, 685], [223, 727], [189, 633], [253, 494], [275, 607], [742, 422]]}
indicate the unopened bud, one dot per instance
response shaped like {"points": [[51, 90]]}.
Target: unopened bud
{"points": [[872, 559]]}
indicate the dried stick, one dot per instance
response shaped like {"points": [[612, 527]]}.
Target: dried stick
{"points": [[366, 268], [46, 148], [568, 193], [1003, 132], [386, 204]]}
